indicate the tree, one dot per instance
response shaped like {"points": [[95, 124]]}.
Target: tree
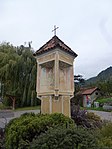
{"points": [[79, 82], [18, 73], [105, 87]]}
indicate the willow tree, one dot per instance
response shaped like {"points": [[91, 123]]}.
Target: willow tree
{"points": [[18, 73]]}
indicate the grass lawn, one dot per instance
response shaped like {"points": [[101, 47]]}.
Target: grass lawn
{"points": [[93, 108], [104, 100], [2, 107], [28, 108], [101, 101]]}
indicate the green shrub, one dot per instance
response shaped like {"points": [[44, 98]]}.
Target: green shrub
{"points": [[21, 131], [1, 106], [94, 120], [105, 140], [2, 138], [85, 119], [65, 138], [92, 116], [77, 100], [104, 100]]}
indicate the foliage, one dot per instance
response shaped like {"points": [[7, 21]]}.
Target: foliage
{"points": [[2, 138], [28, 108], [93, 108], [1, 106], [103, 81], [18, 74], [103, 76], [105, 139], [79, 82], [85, 119], [78, 99], [58, 131], [79, 116], [21, 131], [79, 78], [94, 120], [65, 138], [105, 87], [104, 100]]}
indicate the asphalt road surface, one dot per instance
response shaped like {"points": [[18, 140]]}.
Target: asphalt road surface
{"points": [[6, 116], [103, 115]]}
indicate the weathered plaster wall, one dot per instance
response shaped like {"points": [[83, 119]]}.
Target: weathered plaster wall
{"points": [[46, 79], [94, 95], [45, 104], [65, 79], [51, 104], [91, 97], [55, 81]]}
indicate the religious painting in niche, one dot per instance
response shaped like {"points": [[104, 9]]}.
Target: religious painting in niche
{"points": [[47, 77], [68, 78], [64, 76], [50, 77], [43, 76]]}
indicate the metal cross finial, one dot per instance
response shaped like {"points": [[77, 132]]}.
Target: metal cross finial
{"points": [[54, 30]]}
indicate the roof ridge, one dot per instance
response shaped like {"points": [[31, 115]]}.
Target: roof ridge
{"points": [[52, 43]]}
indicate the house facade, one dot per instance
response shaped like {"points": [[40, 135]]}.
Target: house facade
{"points": [[89, 95]]}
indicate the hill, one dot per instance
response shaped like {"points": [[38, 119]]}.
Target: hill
{"points": [[104, 75]]}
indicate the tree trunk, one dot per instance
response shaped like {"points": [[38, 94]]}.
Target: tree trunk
{"points": [[13, 106], [76, 145]]}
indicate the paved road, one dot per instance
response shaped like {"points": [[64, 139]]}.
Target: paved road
{"points": [[103, 115], [6, 116], [10, 115], [18, 113], [6, 113]]}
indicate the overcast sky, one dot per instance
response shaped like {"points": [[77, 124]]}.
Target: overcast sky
{"points": [[84, 25]]}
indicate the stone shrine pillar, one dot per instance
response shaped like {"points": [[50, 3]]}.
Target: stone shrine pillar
{"points": [[55, 76]]}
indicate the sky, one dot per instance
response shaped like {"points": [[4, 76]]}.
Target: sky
{"points": [[84, 25]]}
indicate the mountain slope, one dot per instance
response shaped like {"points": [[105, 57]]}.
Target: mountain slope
{"points": [[104, 75]]}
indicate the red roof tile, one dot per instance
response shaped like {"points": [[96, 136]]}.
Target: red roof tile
{"points": [[53, 43], [89, 91]]}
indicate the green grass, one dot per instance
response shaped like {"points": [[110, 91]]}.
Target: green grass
{"points": [[93, 108], [28, 108], [2, 106], [104, 100]]}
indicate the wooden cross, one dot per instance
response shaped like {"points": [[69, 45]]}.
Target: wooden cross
{"points": [[54, 30]]}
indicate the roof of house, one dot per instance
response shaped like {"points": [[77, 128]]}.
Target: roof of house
{"points": [[53, 43], [88, 91]]}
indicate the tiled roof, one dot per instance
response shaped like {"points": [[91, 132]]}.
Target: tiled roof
{"points": [[53, 43], [89, 91]]}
